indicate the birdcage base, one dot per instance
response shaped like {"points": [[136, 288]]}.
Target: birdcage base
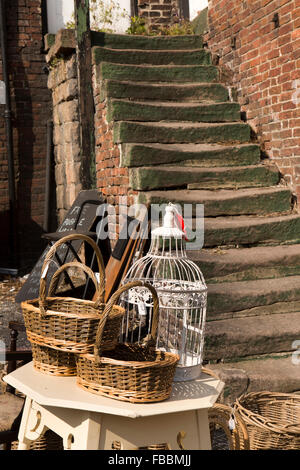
{"points": [[183, 374]]}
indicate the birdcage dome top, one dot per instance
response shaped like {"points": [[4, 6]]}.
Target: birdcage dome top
{"points": [[167, 265]]}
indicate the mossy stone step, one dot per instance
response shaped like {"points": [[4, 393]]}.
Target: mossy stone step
{"points": [[170, 132], [164, 91], [225, 202], [153, 57], [273, 372], [235, 297], [248, 264], [204, 155], [242, 337], [147, 178], [125, 41], [157, 73], [243, 230], [126, 110]]}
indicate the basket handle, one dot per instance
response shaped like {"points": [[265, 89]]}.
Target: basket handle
{"points": [[113, 300], [86, 269], [51, 252]]}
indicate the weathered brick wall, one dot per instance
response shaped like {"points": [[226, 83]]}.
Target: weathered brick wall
{"points": [[112, 178], [158, 12], [31, 108], [261, 58], [62, 82]]}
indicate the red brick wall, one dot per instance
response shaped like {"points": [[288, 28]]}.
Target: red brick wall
{"points": [[263, 62], [112, 179], [30, 109]]}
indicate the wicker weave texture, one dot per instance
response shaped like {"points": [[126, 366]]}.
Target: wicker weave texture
{"points": [[65, 323], [49, 441], [70, 324], [52, 361], [219, 416], [272, 420], [131, 372]]}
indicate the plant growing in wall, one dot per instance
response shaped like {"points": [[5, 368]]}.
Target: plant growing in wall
{"points": [[104, 15], [177, 26]]}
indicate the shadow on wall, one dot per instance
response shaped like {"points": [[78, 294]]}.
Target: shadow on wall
{"points": [[30, 111]]}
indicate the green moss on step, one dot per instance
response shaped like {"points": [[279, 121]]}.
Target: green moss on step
{"points": [[138, 57], [169, 92], [144, 155], [125, 41], [135, 111], [219, 133], [172, 73]]}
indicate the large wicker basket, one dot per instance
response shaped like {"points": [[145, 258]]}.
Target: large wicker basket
{"points": [[272, 420], [131, 372], [59, 327], [53, 361], [48, 441]]}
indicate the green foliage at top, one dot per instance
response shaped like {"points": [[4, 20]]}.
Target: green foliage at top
{"points": [[103, 15], [177, 27]]}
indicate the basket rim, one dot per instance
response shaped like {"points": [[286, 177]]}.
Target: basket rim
{"points": [[84, 384], [29, 306], [256, 419], [171, 359]]}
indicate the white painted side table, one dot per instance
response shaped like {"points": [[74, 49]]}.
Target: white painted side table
{"points": [[88, 422]]}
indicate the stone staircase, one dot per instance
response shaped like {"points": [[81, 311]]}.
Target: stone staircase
{"points": [[183, 140]]}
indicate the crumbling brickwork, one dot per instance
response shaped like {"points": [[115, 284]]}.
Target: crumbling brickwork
{"points": [[258, 42], [31, 108]]}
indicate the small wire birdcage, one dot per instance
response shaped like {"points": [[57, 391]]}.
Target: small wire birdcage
{"points": [[182, 294]]}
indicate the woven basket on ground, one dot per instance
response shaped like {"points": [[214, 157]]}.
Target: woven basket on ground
{"points": [[49, 441], [272, 419], [131, 372], [66, 324], [219, 416]]}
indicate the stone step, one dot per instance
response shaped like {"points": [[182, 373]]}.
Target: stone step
{"points": [[250, 231], [236, 299], [241, 337], [190, 92], [247, 264], [153, 57], [225, 202], [126, 41], [203, 155], [147, 178], [157, 73], [125, 110], [170, 132], [276, 373]]}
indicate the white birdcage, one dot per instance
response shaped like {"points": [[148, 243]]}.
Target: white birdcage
{"points": [[182, 294]]}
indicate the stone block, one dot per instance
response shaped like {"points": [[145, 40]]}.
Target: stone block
{"points": [[68, 111], [71, 132]]}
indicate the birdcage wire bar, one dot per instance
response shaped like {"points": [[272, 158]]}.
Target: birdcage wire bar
{"points": [[182, 296]]}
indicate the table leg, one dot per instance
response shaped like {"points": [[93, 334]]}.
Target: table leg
{"points": [[203, 430], [79, 429], [86, 435], [31, 427]]}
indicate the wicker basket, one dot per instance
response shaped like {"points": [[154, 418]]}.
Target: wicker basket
{"points": [[65, 323], [49, 441], [53, 361], [219, 416], [272, 420], [131, 372]]}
